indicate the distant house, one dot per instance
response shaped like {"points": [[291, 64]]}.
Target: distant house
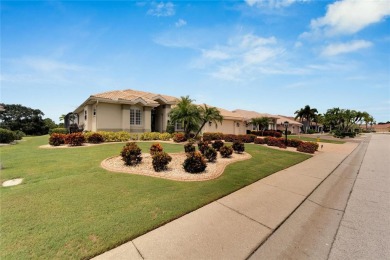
{"points": [[125, 110], [248, 115], [232, 123], [293, 126]]}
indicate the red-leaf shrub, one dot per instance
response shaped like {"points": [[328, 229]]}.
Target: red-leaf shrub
{"points": [[238, 147], [246, 138], [95, 138], [179, 137], [212, 136], [226, 151], [259, 141], [189, 147], [294, 142], [75, 139], [160, 161], [230, 138], [155, 148], [131, 154], [273, 141], [194, 163], [307, 147], [210, 153], [217, 144], [272, 133], [57, 139], [202, 146]]}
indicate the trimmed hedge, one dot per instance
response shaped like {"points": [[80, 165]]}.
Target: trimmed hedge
{"points": [[307, 147], [57, 139], [95, 138], [75, 139], [272, 133], [148, 136], [259, 141], [208, 136]]}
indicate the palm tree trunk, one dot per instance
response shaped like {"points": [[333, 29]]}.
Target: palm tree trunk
{"points": [[200, 128]]}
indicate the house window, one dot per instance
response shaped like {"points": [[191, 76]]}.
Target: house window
{"points": [[135, 116], [179, 127], [94, 112], [85, 114]]}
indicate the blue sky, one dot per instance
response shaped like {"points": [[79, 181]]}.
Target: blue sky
{"points": [[272, 56]]}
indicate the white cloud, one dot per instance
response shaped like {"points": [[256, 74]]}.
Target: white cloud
{"points": [[181, 23], [215, 54], [272, 3], [162, 9], [350, 16], [340, 48]]}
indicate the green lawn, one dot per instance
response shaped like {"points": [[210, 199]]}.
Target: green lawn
{"points": [[313, 139], [69, 207]]}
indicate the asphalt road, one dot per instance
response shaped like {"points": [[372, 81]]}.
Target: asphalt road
{"points": [[346, 217]]}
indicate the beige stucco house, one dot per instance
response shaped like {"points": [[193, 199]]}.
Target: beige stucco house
{"points": [[138, 111], [293, 125], [125, 110]]}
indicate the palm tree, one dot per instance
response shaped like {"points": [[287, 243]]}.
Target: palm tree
{"points": [[186, 113], [306, 113], [260, 123], [208, 114]]}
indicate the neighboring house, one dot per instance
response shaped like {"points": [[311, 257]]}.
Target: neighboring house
{"points": [[380, 127], [248, 115], [125, 110], [293, 126], [232, 123]]}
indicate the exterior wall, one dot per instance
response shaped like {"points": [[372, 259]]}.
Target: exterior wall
{"points": [[162, 117], [293, 128], [109, 117], [227, 127], [146, 120]]}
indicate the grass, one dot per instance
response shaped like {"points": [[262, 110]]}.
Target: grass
{"points": [[69, 207], [311, 139]]}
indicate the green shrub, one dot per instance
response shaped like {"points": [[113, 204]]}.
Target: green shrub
{"points": [[170, 128], [57, 139], [94, 138], [226, 151], [75, 139], [189, 147], [310, 131], [121, 136], [307, 147], [131, 154], [294, 142], [160, 161], [238, 147], [148, 136], [7, 136], [179, 137], [19, 135], [194, 163], [134, 137], [217, 144], [59, 130], [164, 137], [211, 154], [155, 148]]}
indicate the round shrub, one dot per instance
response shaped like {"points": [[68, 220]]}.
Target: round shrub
{"points": [[7, 136], [238, 147], [95, 138], [179, 137], [155, 148], [19, 135], [57, 139], [202, 146], [189, 147], [131, 154], [211, 154], [164, 136], [160, 161], [194, 163], [226, 151], [75, 139], [217, 144]]}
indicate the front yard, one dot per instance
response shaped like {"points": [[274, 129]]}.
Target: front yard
{"points": [[70, 207]]}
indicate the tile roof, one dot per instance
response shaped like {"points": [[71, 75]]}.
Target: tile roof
{"points": [[289, 119], [132, 95], [252, 114]]}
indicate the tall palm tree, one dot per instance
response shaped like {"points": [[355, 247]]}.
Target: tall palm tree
{"points": [[307, 113], [208, 114], [186, 113]]}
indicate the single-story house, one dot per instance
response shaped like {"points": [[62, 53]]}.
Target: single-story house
{"points": [[293, 126], [125, 110], [232, 123], [248, 115]]}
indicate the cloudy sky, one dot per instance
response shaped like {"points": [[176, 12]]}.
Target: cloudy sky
{"points": [[272, 56]]}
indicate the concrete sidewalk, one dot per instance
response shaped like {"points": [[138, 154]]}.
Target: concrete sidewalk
{"points": [[233, 227]]}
